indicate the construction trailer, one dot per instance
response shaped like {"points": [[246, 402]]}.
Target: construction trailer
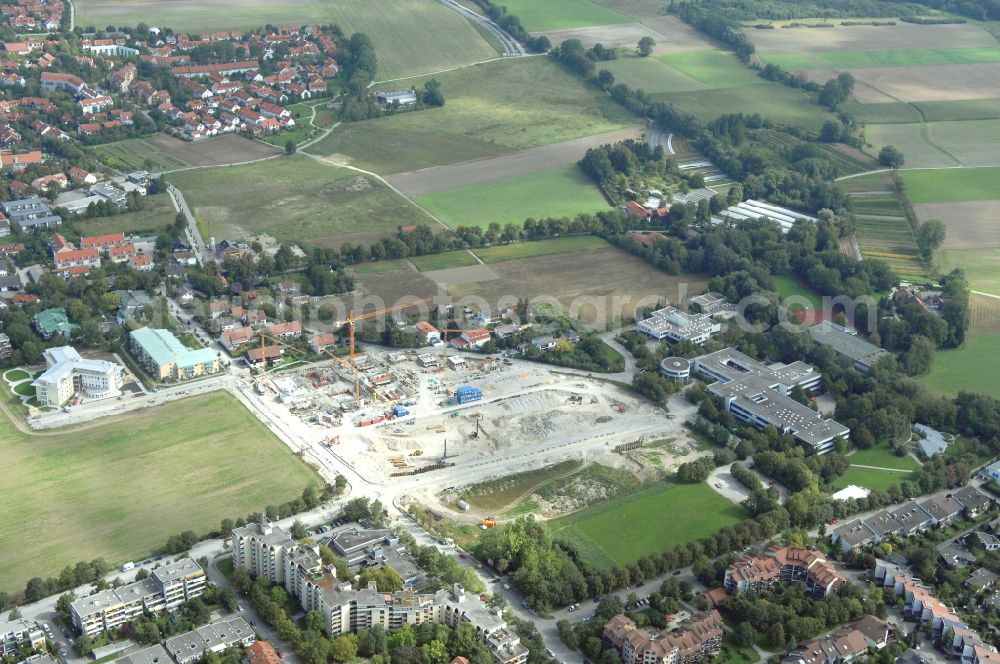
{"points": [[468, 394]]}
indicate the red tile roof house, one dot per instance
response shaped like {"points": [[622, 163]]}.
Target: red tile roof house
{"points": [[285, 330], [427, 333], [141, 262], [123, 253], [257, 356], [76, 258], [104, 242], [477, 336], [322, 342], [236, 337]]}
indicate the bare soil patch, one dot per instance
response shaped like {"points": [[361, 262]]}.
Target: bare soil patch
{"points": [[438, 178], [612, 36], [921, 83], [985, 311], [971, 224], [213, 151], [868, 38]]}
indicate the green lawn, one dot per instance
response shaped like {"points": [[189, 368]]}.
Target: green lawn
{"points": [[157, 213], [972, 368], [982, 266], [537, 15], [118, 489], [881, 457], [24, 389], [792, 287], [410, 36], [650, 74], [540, 248], [947, 185], [622, 530], [448, 259], [875, 480], [136, 154], [14, 375], [556, 192], [489, 109], [908, 57], [295, 199], [714, 68]]}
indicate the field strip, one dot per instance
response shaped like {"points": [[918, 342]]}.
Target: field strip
{"points": [[444, 71], [889, 470], [438, 178]]}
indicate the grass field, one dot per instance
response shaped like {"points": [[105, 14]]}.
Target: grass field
{"points": [[793, 287], [946, 185], [448, 259], [137, 154], [972, 368], [118, 489], [876, 480], [716, 69], [158, 213], [622, 530], [929, 111], [540, 248], [556, 192], [650, 74], [901, 57], [538, 15], [379, 266], [881, 457], [304, 128], [771, 100], [410, 36], [981, 266], [296, 199], [490, 109], [791, 61]]}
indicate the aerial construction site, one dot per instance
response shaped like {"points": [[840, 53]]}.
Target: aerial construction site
{"points": [[442, 419]]}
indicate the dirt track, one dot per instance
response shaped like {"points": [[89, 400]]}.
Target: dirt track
{"points": [[437, 178]]}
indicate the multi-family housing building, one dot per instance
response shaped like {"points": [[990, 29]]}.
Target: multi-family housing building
{"points": [[165, 589], [214, 637], [18, 633], [758, 394], [162, 355], [67, 374], [695, 641], [911, 518], [31, 213], [842, 645], [266, 550], [784, 565]]}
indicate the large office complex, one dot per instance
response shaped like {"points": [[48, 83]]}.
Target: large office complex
{"points": [[758, 394], [67, 374], [677, 325], [846, 342], [162, 355], [165, 589], [266, 550]]}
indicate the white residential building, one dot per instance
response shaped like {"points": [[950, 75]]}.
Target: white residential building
{"points": [[68, 374]]}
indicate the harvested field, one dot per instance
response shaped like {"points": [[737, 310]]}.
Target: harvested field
{"points": [[971, 143], [971, 224], [914, 141], [395, 286], [862, 37], [563, 191], [294, 199], [169, 153], [985, 312], [604, 275], [428, 180], [612, 36], [410, 36], [922, 83]]}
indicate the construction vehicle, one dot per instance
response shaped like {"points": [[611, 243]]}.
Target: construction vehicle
{"points": [[488, 522]]}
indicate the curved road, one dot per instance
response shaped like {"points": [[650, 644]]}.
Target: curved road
{"points": [[511, 48]]}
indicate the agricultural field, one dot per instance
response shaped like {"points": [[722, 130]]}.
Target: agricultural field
{"points": [[294, 199], [981, 266], [949, 185], [560, 14], [970, 224], [598, 297], [903, 57], [443, 261], [410, 36], [541, 248], [491, 109], [971, 368], [881, 228], [774, 101], [157, 214], [869, 478], [970, 143], [119, 488], [557, 192], [715, 68], [832, 42], [379, 266], [651, 74], [161, 152], [622, 530]]}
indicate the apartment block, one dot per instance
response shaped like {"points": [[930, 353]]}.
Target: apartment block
{"points": [[784, 565], [698, 640], [165, 589], [19, 633], [214, 637], [163, 356]]}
